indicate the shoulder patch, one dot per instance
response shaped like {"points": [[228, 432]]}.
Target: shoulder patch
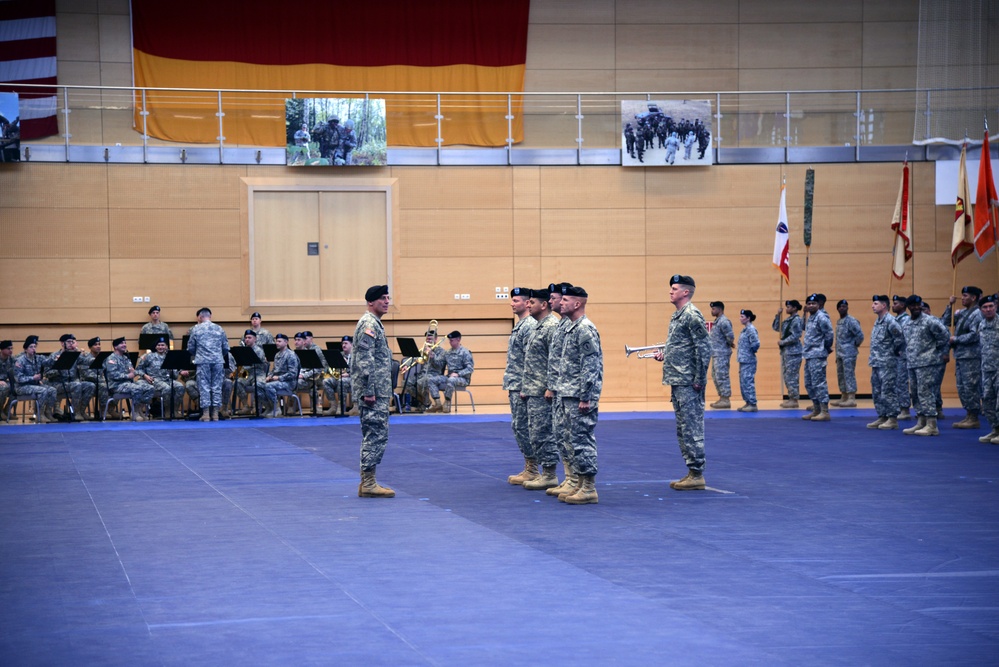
{"points": [[370, 332]]}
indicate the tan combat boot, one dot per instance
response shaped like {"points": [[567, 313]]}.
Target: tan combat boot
{"points": [[878, 422], [790, 403], [546, 480], [722, 403], [586, 494], [692, 482], [436, 407], [369, 488], [891, 424], [567, 473], [987, 438], [206, 415], [815, 410], [930, 428], [530, 472], [823, 415], [570, 486], [920, 423], [849, 400], [447, 406], [971, 421], [836, 403]]}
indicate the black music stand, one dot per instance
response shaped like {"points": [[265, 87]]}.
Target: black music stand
{"points": [[176, 360], [149, 341], [64, 363], [270, 351], [310, 360], [408, 348], [247, 358], [98, 365], [334, 345], [336, 361]]}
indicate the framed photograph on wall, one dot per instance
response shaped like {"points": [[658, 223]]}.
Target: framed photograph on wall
{"points": [[335, 132], [670, 133]]}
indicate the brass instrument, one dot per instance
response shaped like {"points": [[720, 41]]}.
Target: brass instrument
{"points": [[409, 362], [640, 350], [334, 373]]}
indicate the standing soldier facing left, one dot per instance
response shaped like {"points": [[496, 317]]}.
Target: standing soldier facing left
{"points": [[513, 383], [967, 354], [816, 347], [722, 341], [849, 336]]}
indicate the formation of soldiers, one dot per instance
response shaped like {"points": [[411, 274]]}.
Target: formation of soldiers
{"points": [[648, 129]]}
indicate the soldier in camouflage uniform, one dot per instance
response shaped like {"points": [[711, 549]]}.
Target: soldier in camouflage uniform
{"points": [[967, 354], [685, 358], [887, 340], [264, 336], [335, 388], [309, 379], [6, 372], [816, 347], [722, 343], [155, 326], [164, 382], [256, 381], [926, 341], [904, 396], [988, 334], [29, 370], [512, 384], [559, 425], [749, 344], [429, 376], [371, 377], [121, 375], [534, 383], [67, 383], [95, 377], [581, 377], [209, 348], [849, 337], [459, 368], [790, 350], [284, 378]]}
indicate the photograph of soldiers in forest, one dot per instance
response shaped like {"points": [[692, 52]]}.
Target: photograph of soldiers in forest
{"points": [[339, 132], [671, 133]]}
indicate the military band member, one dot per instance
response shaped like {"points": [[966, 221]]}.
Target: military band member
{"points": [[988, 334], [371, 376], [209, 348], [121, 380], [29, 371], [66, 382], [284, 378], [264, 336], [334, 386], [308, 378], [926, 341], [164, 382], [849, 337], [887, 340], [581, 376], [534, 384], [6, 372], [722, 343], [155, 326], [460, 366], [685, 358], [749, 345], [513, 383], [904, 395], [815, 349], [967, 354], [255, 382], [430, 378], [92, 375], [790, 351]]}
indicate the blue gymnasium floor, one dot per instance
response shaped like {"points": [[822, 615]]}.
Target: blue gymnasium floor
{"points": [[244, 543]]}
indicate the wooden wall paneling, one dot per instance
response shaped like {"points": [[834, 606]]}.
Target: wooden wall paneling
{"points": [[526, 188], [423, 281], [352, 244], [593, 232], [283, 225], [593, 187], [789, 11], [544, 130], [116, 37], [569, 80], [891, 43], [454, 187], [527, 232], [647, 12], [172, 233], [580, 11], [606, 279], [769, 45], [117, 128], [674, 44], [719, 186], [44, 232], [676, 78], [55, 283], [447, 233], [179, 282], [174, 186], [570, 46], [618, 323], [80, 185], [891, 10], [712, 231], [874, 78]]}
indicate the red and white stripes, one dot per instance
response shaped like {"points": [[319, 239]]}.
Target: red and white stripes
{"points": [[28, 55]]}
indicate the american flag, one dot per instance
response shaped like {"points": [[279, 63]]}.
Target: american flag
{"points": [[28, 55]]}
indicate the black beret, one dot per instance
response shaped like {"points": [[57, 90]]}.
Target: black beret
{"points": [[717, 304], [576, 291], [678, 279], [307, 333], [204, 309], [520, 291], [543, 294], [347, 339], [988, 298], [29, 341], [118, 341], [6, 344], [971, 289], [820, 297], [281, 336], [883, 298], [429, 332], [299, 334], [375, 292], [255, 315], [162, 339], [93, 341], [794, 303], [250, 332], [913, 299], [63, 338], [812, 298], [898, 297], [748, 313], [842, 302], [454, 334], [156, 308]]}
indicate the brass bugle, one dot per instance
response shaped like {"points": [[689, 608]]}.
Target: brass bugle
{"points": [[628, 350]]}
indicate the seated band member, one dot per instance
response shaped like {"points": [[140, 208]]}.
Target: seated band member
{"points": [[284, 378], [308, 378], [155, 325], [28, 374], [66, 382], [424, 373], [458, 374], [333, 386], [150, 370], [87, 374], [255, 377], [6, 372], [121, 380]]}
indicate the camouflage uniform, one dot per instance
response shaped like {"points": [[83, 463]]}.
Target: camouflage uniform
{"points": [[967, 357], [513, 383], [163, 380], [256, 381], [904, 396], [6, 379], [264, 336], [160, 328], [988, 333], [286, 367], [722, 342], [333, 386], [311, 377], [25, 384], [431, 377], [457, 361], [749, 344], [849, 337], [116, 368], [685, 366], [816, 346], [208, 346], [559, 424], [66, 383], [927, 341], [94, 377], [790, 355], [534, 383], [887, 340], [581, 378], [371, 375]]}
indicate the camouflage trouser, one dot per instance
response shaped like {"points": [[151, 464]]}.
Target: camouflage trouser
{"points": [[519, 424], [374, 432], [278, 387], [688, 407], [245, 388], [4, 392], [163, 388], [560, 429], [539, 420], [102, 394], [816, 383], [137, 392], [925, 384], [579, 428], [846, 375], [195, 393], [990, 397], [437, 382], [969, 384], [902, 388], [210, 385], [332, 389], [791, 372], [44, 396], [79, 392], [747, 381], [884, 388], [720, 374]]}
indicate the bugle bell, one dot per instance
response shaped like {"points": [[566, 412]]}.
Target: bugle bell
{"points": [[641, 350]]}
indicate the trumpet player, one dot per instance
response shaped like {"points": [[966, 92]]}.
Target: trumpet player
{"points": [[432, 360], [284, 378]]}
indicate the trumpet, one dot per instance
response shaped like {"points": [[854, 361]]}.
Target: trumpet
{"points": [[628, 350]]}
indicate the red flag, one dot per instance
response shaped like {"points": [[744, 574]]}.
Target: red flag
{"points": [[962, 239], [901, 224], [986, 203]]}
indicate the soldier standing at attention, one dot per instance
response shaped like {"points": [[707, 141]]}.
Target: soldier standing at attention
{"points": [[534, 383], [371, 380], [926, 346], [512, 383], [988, 333], [581, 377], [816, 346], [559, 426], [722, 342], [685, 358], [849, 336], [967, 354], [887, 340], [155, 326], [749, 344], [790, 350], [209, 348], [904, 396]]}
